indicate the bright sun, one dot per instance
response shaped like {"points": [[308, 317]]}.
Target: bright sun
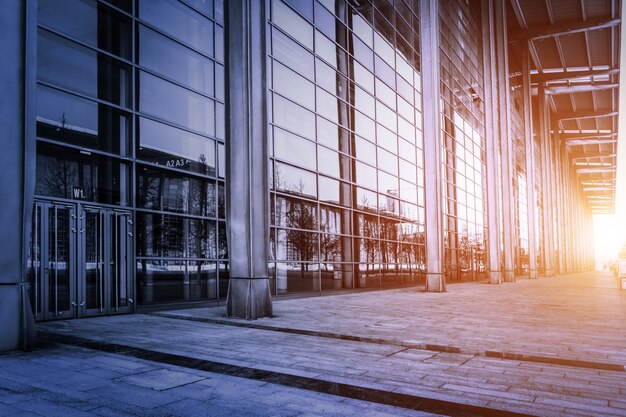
{"points": [[607, 238]]}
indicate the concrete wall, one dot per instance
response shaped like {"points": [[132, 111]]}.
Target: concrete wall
{"points": [[13, 146]]}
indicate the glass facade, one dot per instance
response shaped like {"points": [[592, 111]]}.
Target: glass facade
{"points": [[463, 141], [131, 125], [130, 115], [346, 176]]}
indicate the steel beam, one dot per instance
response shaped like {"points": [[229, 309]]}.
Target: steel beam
{"points": [[541, 31], [585, 114], [580, 88], [570, 75]]}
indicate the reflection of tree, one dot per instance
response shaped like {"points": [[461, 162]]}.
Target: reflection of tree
{"points": [[60, 176]]}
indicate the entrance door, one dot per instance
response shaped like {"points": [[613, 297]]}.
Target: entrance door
{"points": [[54, 260], [105, 266], [81, 261]]}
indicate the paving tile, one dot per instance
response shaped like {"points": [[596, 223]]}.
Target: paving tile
{"points": [[160, 379]]}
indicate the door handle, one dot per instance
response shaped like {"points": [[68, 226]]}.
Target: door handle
{"points": [[82, 303], [74, 304]]}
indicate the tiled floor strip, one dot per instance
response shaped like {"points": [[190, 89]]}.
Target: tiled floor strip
{"points": [[344, 390]]}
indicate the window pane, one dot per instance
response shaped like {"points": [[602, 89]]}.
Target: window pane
{"points": [[295, 180], [293, 117], [94, 24], [60, 171], [67, 118], [176, 104], [180, 22], [167, 236], [293, 86], [294, 149], [173, 60], [169, 191], [292, 54], [292, 23], [69, 65], [296, 213], [175, 148]]}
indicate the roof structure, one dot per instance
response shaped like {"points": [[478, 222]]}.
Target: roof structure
{"points": [[574, 49]]}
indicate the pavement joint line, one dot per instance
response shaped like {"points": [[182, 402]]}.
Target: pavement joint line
{"points": [[373, 395], [576, 363]]}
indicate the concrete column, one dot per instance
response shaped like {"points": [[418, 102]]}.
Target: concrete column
{"points": [[17, 159], [530, 161], [506, 145], [247, 195], [493, 177], [548, 224], [429, 37]]}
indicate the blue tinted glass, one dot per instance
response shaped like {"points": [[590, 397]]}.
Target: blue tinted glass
{"points": [[173, 60], [92, 23], [176, 104], [180, 22]]}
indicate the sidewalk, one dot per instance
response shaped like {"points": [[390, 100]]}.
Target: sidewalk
{"points": [[547, 347]]}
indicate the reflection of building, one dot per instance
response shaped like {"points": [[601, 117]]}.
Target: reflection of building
{"points": [[375, 153]]}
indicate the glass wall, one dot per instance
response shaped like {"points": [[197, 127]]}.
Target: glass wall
{"points": [[346, 168], [463, 136], [130, 109]]}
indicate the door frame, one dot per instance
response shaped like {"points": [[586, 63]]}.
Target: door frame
{"points": [[43, 268], [108, 226], [76, 267]]}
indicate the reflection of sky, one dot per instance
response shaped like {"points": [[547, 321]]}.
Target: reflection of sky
{"points": [[174, 141], [469, 181], [79, 115]]}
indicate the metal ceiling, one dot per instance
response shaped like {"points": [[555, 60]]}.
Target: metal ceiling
{"points": [[574, 49]]}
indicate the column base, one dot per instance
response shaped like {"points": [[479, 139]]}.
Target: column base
{"points": [[549, 273], [495, 277], [11, 317], [435, 282], [508, 276], [249, 298], [532, 274]]}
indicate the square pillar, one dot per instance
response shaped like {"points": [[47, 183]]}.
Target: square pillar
{"points": [[247, 192], [429, 37], [506, 143], [493, 177]]}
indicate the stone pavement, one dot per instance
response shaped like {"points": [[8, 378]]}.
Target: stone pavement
{"points": [[547, 347], [68, 381]]}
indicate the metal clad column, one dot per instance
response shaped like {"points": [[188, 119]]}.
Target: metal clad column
{"points": [[493, 183], [17, 180], [530, 161], [505, 142], [247, 198], [548, 218], [429, 31]]}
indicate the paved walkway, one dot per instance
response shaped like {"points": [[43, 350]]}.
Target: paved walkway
{"points": [[67, 381], [547, 347]]}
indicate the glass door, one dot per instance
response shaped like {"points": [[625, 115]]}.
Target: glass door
{"points": [[105, 284], [53, 257]]}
